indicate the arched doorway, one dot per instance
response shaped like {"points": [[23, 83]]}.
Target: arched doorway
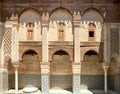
{"points": [[61, 71], [92, 71], [29, 70]]}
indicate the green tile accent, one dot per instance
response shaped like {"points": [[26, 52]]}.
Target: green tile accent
{"points": [[25, 79], [111, 79], [93, 81], [62, 81]]}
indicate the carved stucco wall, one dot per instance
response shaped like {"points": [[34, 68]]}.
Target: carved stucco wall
{"points": [[61, 15], [91, 68], [91, 15], [7, 41], [114, 41], [61, 65], [29, 16]]}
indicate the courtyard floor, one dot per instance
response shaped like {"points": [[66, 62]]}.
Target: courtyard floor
{"points": [[60, 92]]}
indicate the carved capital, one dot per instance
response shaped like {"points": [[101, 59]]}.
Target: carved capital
{"points": [[16, 65], [105, 66]]}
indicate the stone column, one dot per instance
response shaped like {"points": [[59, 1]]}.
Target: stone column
{"points": [[16, 65], [44, 63], [76, 65], [105, 67]]}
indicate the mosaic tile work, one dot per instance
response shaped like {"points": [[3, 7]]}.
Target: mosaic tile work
{"points": [[24, 80], [111, 79], [93, 81], [62, 81]]}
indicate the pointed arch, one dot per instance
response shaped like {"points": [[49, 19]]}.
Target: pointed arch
{"points": [[30, 55], [61, 52], [93, 52], [91, 56]]}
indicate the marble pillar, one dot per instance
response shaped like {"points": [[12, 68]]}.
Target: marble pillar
{"points": [[105, 68], [76, 67], [45, 64], [16, 66]]}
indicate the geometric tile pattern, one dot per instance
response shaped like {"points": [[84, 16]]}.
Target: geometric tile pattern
{"points": [[114, 40], [91, 15], [7, 41], [25, 79], [92, 81], [56, 80], [61, 15], [30, 16], [45, 83]]}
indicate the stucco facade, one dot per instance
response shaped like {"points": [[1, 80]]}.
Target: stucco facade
{"points": [[60, 44]]}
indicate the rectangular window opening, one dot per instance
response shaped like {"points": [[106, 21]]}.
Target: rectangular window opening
{"points": [[91, 33]]}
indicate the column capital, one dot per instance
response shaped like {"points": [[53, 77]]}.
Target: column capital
{"points": [[105, 66], [15, 65]]}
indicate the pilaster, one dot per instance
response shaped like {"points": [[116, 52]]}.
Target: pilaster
{"points": [[45, 64], [45, 23], [76, 37], [106, 42], [45, 77], [76, 67]]}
